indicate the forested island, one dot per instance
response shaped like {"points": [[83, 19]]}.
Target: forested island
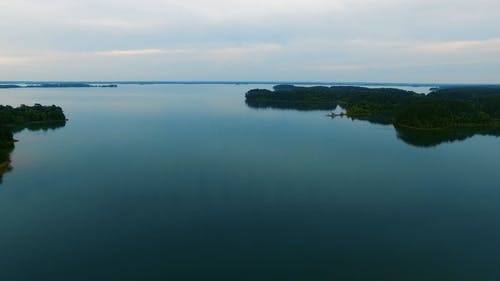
{"points": [[15, 119], [445, 114], [441, 109]]}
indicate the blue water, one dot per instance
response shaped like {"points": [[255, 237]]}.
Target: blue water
{"points": [[185, 182]]}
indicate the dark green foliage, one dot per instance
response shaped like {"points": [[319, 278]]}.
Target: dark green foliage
{"points": [[29, 114], [469, 93], [443, 108], [16, 119], [375, 105], [302, 106], [433, 113], [6, 143], [486, 99], [290, 97], [326, 94]]}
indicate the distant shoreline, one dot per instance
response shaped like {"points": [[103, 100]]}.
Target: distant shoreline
{"points": [[236, 82], [21, 85]]}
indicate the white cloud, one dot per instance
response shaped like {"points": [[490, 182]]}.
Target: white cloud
{"points": [[244, 37], [460, 47], [143, 52], [240, 52], [9, 61]]}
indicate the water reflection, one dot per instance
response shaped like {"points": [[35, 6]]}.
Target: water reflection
{"points": [[422, 138], [418, 138], [291, 105], [7, 142]]}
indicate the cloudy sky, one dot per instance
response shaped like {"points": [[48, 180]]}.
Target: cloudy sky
{"points": [[264, 40]]}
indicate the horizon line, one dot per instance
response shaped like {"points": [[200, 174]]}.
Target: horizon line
{"points": [[268, 82]]}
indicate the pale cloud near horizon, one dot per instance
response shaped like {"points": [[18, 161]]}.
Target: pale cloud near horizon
{"points": [[356, 40]]}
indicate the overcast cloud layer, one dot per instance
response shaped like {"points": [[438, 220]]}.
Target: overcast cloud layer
{"points": [[265, 40]]}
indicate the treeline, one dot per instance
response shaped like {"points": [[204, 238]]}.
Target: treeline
{"points": [[24, 114], [6, 147], [14, 119], [441, 109]]}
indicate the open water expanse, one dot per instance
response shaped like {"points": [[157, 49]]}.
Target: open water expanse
{"points": [[186, 182]]}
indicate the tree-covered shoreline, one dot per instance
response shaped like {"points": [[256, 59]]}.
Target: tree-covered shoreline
{"points": [[15, 119], [447, 108]]}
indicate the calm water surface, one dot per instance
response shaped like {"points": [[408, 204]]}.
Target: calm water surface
{"points": [[185, 182]]}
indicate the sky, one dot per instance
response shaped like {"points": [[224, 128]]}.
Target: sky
{"points": [[446, 41]]}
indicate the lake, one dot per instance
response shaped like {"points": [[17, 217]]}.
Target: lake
{"points": [[187, 182]]}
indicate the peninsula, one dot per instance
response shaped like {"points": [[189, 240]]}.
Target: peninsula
{"points": [[442, 109], [15, 119]]}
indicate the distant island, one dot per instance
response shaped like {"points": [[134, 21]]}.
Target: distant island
{"points": [[57, 85], [15, 119]]}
